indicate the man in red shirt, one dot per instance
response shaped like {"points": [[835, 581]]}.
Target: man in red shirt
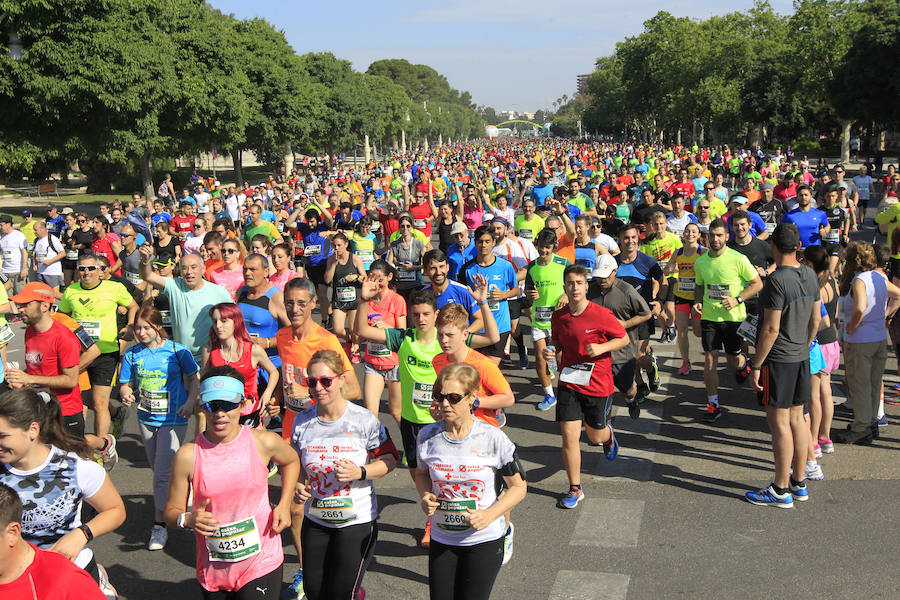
{"points": [[584, 334], [685, 187], [26, 571], [421, 207], [183, 221]]}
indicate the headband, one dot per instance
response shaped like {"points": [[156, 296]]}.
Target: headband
{"points": [[221, 388]]}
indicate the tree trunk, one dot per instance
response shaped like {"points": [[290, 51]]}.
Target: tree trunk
{"points": [[881, 139], [759, 134], [146, 178], [238, 164], [678, 137], [367, 149], [402, 140], [694, 131], [288, 160], [702, 134], [845, 141]]}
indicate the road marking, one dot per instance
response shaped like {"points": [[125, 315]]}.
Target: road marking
{"points": [[609, 523], [586, 585]]}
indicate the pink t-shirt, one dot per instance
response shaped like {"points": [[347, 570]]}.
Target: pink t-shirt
{"points": [[230, 280], [389, 310], [281, 280]]}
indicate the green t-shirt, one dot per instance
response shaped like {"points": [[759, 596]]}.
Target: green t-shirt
{"points": [[417, 375], [95, 310], [265, 228], [662, 249], [548, 281], [724, 275], [529, 229], [583, 202]]}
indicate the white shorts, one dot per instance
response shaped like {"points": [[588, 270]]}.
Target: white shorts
{"points": [[540, 334]]}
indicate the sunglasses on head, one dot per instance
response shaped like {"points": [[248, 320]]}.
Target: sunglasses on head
{"points": [[451, 398], [215, 406], [326, 382]]}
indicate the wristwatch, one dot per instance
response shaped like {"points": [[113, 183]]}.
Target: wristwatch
{"points": [[87, 531], [362, 476]]}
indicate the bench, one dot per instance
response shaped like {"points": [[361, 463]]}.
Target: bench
{"points": [[47, 188]]}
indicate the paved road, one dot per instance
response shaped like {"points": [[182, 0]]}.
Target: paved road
{"points": [[664, 520]]}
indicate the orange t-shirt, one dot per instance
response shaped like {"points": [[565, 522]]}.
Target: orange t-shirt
{"points": [[492, 380], [211, 265], [565, 248], [84, 382], [295, 355]]}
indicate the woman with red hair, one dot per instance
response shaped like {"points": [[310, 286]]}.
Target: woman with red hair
{"points": [[230, 344]]}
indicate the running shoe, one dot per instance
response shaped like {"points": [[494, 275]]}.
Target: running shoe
{"points": [[109, 455], [523, 359], [105, 586], [799, 492], [653, 372], [671, 333], [827, 446], [882, 422], [817, 451], [506, 361], [685, 368], [611, 448], [642, 392], [769, 497], [295, 590], [403, 461], [117, 422], [425, 542], [159, 535], [355, 357], [713, 413], [501, 418], [741, 374], [361, 593], [273, 469], [547, 403], [508, 544], [813, 471], [572, 498], [634, 409]]}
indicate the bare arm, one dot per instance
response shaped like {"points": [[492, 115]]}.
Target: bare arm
{"points": [[147, 273]]}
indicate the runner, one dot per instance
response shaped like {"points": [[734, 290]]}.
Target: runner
{"points": [[405, 254], [528, 225], [462, 250], [837, 236], [682, 264], [344, 272], [230, 275], [50, 469], [15, 254], [518, 252], [48, 252], [811, 222], [678, 219], [661, 245], [724, 281], [284, 271], [450, 292], [342, 448], [460, 460], [160, 376], [584, 335], [262, 305], [224, 470]]}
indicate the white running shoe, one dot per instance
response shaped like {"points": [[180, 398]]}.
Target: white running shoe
{"points": [[508, 544], [159, 535]]}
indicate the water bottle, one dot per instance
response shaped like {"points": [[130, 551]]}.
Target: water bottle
{"points": [[552, 367]]}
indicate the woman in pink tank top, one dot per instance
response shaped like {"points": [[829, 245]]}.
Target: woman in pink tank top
{"points": [[239, 552]]}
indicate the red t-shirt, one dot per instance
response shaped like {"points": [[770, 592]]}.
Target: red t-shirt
{"points": [[48, 353], [686, 189], [596, 325], [52, 575], [388, 225], [420, 214], [104, 248], [183, 225]]}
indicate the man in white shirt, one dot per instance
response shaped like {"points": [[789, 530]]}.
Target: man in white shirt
{"points": [[202, 198], [48, 252], [15, 254], [520, 252]]}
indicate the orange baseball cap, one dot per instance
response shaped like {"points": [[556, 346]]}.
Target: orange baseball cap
{"points": [[34, 291]]}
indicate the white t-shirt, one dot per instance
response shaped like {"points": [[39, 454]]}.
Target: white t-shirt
{"points": [[45, 248], [11, 245], [463, 474], [862, 186], [519, 252], [231, 205], [192, 244], [202, 199], [320, 445], [607, 242]]}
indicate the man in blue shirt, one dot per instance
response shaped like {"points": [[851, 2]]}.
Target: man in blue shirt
{"points": [[738, 203], [462, 251], [542, 191], [446, 291], [55, 223], [811, 222], [502, 285]]}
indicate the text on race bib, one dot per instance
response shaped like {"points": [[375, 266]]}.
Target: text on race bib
{"points": [[333, 510], [422, 394], [579, 374], [234, 542], [452, 515]]}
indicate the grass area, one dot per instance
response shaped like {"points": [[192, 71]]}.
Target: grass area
{"points": [[87, 203]]}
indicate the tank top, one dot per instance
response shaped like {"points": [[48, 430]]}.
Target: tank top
{"points": [[245, 367], [280, 280], [872, 328], [343, 291], [685, 268], [104, 248], [829, 334], [586, 256], [165, 253], [259, 319], [235, 480]]}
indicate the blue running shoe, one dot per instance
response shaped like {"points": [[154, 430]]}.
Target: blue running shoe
{"points": [[572, 498], [523, 360], [295, 590], [547, 403], [611, 448], [768, 497], [800, 492]]}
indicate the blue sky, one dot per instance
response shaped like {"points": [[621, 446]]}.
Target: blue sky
{"points": [[510, 55]]}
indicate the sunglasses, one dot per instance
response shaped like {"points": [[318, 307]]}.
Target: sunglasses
{"points": [[451, 398], [87, 268], [125, 235], [325, 381], [406, 226], [197, 226], [82, 220], [214, 406], [229, 251]]}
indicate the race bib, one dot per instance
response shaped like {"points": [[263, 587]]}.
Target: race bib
{"points": [[234, 542], [378, 350], [451, 515], [577, 374], [833, 236], [747, 328], [422, 394], [333, 510], [528, 234], [72, 254], [542, 314], [8, 255], [770, 227], [367, 256], [92, 328], [6, 334], [155, 402], [419, 223], [408, 275], [686, 284], [166, 317], [345, 294], [132, 278], [716, 291], [313, 250]]}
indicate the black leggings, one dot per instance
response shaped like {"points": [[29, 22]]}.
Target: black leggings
{"points": [[463, 572], [336, 558], [262, 588]]}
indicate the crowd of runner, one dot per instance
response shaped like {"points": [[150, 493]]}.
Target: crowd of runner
{"points": [[238, 312]]}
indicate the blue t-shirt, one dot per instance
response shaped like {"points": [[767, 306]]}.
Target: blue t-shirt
{"points": [[640, 274], [155, 375], [540, 193], [316, 247], [757, 225], [456, 293], [501, 275], [457, 257], [642, 169], [268, 215], [56, 226], [808, 224], [163, 216]]}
